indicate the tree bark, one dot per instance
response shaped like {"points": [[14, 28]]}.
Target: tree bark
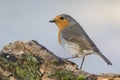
{"points": [[32, 61]]}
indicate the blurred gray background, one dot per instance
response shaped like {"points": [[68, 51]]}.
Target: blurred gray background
{"points": [[27, 20]]}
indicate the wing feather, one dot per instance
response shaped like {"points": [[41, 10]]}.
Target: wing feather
{"points": [[78, 35]]}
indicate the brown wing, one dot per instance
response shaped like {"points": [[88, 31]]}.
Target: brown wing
{"points": [[78, 35]]}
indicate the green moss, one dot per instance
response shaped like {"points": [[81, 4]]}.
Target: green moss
{"points": [[55, 62], [81, 77], [66, 77], [25, 68], [63, 75]]}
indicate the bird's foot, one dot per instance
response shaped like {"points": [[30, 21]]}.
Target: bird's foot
{"points": [[71, 57]]}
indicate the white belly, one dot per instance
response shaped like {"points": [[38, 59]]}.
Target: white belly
{"points": [[74, 49]]}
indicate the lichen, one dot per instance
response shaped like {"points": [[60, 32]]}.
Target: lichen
{"points": [[25, 68], [63, 75]]}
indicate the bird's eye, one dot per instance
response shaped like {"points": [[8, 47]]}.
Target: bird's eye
{"points": [[61, 18]]}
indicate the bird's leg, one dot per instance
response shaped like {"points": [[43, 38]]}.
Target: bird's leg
{"points": [[82, 62], [71, 57]]}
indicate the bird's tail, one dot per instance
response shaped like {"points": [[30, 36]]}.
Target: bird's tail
{"points": [[105, 59]]}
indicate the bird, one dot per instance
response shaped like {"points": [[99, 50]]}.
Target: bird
{"points": [[73, 38]]}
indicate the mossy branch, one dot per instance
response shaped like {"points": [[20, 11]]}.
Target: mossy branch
{"points": [[32, 61]]}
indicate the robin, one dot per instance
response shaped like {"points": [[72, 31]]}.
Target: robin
{"points": [[74, 39]]}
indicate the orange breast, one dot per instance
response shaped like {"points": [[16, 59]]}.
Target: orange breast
{"points": [[61, 25], [59, 36]]}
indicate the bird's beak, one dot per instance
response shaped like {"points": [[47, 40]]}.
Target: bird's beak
{"points": [[52, 21]]}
